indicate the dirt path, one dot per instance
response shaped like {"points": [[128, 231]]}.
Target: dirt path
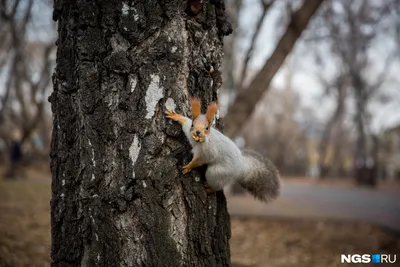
{"points": [[304, 200]]}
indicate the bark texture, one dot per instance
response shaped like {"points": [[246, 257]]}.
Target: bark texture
{"points": [[118, 195]]}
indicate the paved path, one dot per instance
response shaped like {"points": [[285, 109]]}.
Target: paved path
{"points": [[380, 206]]}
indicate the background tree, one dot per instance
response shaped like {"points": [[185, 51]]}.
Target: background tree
{"points": [[118, 195], [26, 60], [247, 98], [347, 34], [283, 138]]}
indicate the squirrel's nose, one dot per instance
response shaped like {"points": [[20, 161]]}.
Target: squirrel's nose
{"points": [[198, 132]]}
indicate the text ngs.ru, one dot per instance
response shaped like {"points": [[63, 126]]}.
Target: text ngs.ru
{"points": [[367, 258]]}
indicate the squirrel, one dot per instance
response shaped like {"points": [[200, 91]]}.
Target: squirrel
{"points": [[226, 163]]}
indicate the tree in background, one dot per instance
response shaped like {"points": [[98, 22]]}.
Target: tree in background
{"points": [[26, 60], [118, 194], [283, 137], [240, 111], [346, 35]]}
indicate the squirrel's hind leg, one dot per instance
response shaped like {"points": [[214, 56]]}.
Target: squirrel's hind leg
{"points": [[209, 189]]}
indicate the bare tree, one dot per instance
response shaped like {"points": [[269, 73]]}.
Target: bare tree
{"points": [[233, 11], [335, 122], [274, 130], [118, 194], [27, 65], [352, 29], [250, 50], [242, 108]]}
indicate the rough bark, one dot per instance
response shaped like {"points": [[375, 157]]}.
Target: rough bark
{"points": [[247, 99], [118, 195]]}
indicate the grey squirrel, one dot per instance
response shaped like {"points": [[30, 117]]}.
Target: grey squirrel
{"points": [[226, 163]]}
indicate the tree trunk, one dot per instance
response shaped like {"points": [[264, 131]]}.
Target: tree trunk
{"points": [[118, 195], [230, 47], [362, 171], [246, 101], [335, 120]]}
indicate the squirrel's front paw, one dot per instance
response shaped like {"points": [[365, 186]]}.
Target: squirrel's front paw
{"points": [[171, 114], [186, 169]]}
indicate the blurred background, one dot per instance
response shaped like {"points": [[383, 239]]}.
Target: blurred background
{"points": [[329, 119]]}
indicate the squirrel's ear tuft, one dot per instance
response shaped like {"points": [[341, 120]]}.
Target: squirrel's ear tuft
{"points": [[196, 107], [211, 110]]}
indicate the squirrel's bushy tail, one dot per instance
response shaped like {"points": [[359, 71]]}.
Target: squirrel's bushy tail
{"points": [[263, 180]]}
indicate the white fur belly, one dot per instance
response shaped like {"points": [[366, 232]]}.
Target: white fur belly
{"points": [[220, 175]]}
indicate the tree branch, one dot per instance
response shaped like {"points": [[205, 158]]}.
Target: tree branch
{"points": [[266, 6], [246, 100]]}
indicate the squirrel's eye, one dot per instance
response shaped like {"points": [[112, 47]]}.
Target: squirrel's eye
{"points": [[192, 125], [207, 128]]}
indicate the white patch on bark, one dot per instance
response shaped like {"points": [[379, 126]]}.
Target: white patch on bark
{"points": [[113, 98], [134, 150], [153, 94], [132, 82], [174, 48], [125, 8], [63, 182], [91, 147], [86, 256], [135, 15], [93, 178], [170, 104], [144, 184]]}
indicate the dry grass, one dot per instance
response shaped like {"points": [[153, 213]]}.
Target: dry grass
{"points": [[24, 223], [25, 234], [305, 243]]}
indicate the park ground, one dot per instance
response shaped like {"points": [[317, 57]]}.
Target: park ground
{"points": [[256, 240]]}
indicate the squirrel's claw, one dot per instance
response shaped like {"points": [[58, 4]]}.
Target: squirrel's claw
{"points": [[171, 114], [186, 169]]}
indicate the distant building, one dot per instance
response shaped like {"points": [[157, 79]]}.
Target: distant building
{"points": [[389, 154]]}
